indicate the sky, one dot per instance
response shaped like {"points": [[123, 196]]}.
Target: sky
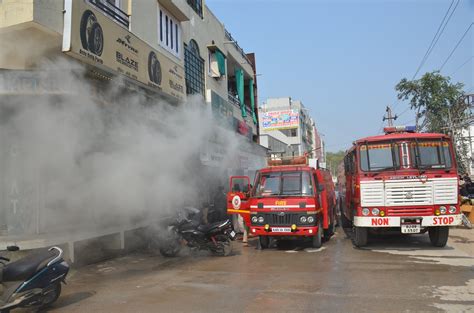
{"points": [[342, 59]]}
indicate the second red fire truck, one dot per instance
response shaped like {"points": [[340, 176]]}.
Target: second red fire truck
{"points": [[403, 181], [290, 199]]}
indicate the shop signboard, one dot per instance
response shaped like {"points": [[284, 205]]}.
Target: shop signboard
{"points": [[94, 38], [285, 119]]}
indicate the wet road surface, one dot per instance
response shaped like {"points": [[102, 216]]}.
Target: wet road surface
{"points": [[397, 274]]}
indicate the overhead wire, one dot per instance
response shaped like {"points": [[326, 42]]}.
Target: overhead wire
{"points": [[462, 65], [434, 41], [455, 47], [439, 32]]}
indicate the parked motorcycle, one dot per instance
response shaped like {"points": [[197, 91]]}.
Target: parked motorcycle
{"points": [[186, 229], [33, 281]]}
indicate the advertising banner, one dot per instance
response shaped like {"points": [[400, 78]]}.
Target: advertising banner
{"points": [[94, 38], [285, 119]]}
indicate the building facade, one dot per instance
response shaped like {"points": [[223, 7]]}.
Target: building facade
{"points": [[287, 129], [171, 51]]}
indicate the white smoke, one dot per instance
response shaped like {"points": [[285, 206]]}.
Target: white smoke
{"points": [[93, 157]]}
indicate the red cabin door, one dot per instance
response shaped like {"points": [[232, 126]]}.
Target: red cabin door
{"points": [[238, 196]]}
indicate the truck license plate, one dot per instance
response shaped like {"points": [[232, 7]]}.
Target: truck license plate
{"points": [[411, 229], [281, 229]]}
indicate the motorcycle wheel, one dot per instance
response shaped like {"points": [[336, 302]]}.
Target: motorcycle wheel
{"points": [[51, 295], [223, 247], [170, 250]]}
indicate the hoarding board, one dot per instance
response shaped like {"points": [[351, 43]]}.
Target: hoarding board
{"points": [[94, 38], [285, 119]]}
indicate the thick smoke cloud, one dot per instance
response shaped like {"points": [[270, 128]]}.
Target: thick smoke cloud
{"points": [[91, 157]]}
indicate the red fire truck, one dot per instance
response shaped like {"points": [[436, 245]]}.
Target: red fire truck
{"points": [[290, 199], [403, 181]]}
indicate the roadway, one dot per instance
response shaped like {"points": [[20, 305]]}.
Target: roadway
{"points": [[397, 274]]}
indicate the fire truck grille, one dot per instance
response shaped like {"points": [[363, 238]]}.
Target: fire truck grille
{"points": [[409, 192], [409, 211], [279, 219]]}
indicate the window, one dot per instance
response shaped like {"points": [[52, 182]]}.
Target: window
{"points": [[196, 5], [169, 32], [431, 154], [379, 157], [285, 184], [217, 63], [194, 69], [112, 8]]}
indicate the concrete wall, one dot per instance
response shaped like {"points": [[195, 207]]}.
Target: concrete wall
{"points": [[14, 12], [49, 13]]}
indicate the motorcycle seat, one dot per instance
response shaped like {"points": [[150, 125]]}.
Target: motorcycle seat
{"points": [[209, 227], [26, 267]]}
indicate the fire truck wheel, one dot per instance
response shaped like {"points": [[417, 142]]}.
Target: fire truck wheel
{"points": [[360, 236], [439, 236], [264, 242], [345, 222], [318, 239], [328, 233]]}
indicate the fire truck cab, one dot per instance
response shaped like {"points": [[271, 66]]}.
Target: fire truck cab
{"points": [[403, 181], [290, 199]]}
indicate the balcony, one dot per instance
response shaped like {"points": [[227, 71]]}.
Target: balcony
{"points": [[235, 101], [112, 11], [236, 45]]}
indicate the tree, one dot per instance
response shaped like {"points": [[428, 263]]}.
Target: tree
{"points": [[439, 107], [333, 159]]}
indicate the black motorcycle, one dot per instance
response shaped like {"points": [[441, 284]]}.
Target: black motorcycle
{"points": [[33, 281], [186, 229]]}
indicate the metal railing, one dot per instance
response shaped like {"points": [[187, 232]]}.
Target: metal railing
{"points": [[236, 45], [235, 101], [111, 10]]}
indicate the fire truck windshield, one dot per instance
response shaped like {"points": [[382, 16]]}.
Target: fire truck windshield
{"points": [[284, 184], [430, 154], [411, 153], [379, 157]]}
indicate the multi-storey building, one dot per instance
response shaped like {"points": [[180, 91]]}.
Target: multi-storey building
{"points": [[171, 51], [287, 129]]}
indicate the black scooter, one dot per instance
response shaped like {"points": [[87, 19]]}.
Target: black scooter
{"points": [[33, 281], [186, 229]]}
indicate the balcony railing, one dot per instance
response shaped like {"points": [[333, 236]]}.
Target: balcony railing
{"points": [[235, 101], [236, 45], [111, 10]]}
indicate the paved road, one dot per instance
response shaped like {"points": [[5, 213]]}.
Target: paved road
{"points": [[403, 274]]}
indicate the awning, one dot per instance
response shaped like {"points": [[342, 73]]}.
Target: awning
{"points": [[252, 101], [220, 62], [239, 80]]}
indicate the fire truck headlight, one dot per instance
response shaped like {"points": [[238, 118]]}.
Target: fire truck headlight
{"points": [[437, 212], [442, 210], [303, 219], [261, 219], [254, 219], [375, 211], [452, 209], [310, 219], [382, 213], [365, 211]]}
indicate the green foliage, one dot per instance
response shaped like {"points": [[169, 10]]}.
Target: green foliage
{"points": [[333, 159], [439, 107], [434, 98]]}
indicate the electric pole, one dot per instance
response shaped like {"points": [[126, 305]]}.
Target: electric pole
{"points": [[390, 118]]}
